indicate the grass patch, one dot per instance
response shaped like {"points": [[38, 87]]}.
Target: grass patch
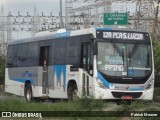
{"points": [[139, 105], [156, 96], [84, 104], [81, 104], [17, 104], [1, 87], [123, 106], [89, 104]]}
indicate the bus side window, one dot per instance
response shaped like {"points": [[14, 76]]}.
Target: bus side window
{"points": [[84, 61], [90, 58], [59, 53], [12, 56], [22, 57], [72, 55], [33, 54], [87, 58]]}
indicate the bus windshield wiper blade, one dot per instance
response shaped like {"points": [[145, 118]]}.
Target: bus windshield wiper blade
{"points": [[130, 54], [121, 53], [117, 49]]}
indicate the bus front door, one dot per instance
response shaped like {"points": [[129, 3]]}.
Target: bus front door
{"points": [[87, 65], [44, 59]]}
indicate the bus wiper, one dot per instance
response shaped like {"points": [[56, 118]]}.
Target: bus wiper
{"points": [[130, 54], [119, 51]]}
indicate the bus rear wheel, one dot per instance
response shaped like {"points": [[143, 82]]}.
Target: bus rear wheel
{"points": [[28, 93], [72, 92]]}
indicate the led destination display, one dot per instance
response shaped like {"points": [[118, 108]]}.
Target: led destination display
{"points": [[123, 35]]}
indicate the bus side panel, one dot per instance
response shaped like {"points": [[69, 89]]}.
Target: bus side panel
{"points": [[12, 86], [75, 75], [79, 82], [15, 79], [57, 81], [37, 87], [59, 76]]}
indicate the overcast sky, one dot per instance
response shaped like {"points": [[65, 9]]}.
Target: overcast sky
{"points": [[23, 6], [47, 6]]}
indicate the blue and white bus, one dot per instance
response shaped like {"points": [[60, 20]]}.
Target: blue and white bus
{"points": [[104, 63]]}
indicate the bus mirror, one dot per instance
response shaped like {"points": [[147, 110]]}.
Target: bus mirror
{"points": [[94, 48]]}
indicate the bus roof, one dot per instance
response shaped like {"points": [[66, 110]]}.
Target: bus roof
{"points": [[65, 34]]}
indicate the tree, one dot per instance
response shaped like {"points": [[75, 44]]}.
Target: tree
{"points": [[156, 51], [2, 65]]}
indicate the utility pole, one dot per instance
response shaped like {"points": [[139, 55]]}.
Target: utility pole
{"points": [[61, 21], [2, 32]]}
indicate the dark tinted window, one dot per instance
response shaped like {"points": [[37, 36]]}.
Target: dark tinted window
{"points": [[12, 56], [73, 56], [47, 43], [59, 51], [73, 50], [33, 54], [72, 47], [22, 57]]}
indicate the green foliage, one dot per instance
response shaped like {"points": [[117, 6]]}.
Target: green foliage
{"points": [[89, 104], [139, 105], [156, 96], [2, 65], [81, 104], [156, 51]]}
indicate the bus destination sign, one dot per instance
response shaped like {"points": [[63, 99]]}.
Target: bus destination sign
{"points": [[123, 35], [120, 35]]}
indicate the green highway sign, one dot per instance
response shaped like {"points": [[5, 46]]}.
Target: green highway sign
{"points": [[115, 18]]}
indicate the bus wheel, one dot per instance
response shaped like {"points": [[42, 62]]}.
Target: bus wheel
{"points": [[72, 93], [28, 93]]}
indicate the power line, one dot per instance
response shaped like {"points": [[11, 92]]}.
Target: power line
{"points": [[78, 14], [88, 13], [10, 24]]}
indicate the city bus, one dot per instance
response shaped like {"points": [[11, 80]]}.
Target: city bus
{"points": [[99, 63]]}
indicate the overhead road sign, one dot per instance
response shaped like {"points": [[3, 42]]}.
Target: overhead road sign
{"points": [[115, 18]]}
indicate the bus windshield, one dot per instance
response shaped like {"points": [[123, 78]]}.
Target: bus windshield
{"points": [[129, 60]]}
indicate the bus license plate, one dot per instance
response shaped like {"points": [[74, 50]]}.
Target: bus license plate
{"points": [[127, 97]]}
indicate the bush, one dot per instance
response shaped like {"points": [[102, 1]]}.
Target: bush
{"points": [[2, 65], [156, 51], [89, 104]]}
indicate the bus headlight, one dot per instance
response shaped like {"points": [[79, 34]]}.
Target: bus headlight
{"points": [[100, 83], [150, 85]]}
